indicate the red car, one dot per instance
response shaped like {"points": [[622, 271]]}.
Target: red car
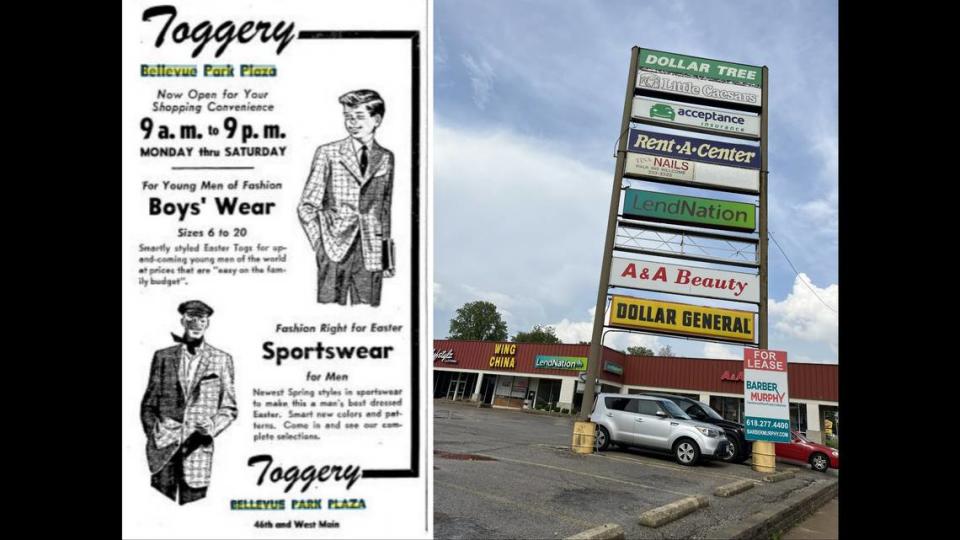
{"points": [[801, 450]]}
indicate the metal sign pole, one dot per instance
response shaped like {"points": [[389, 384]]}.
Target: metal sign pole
{"points": [[596, 347], [763, 447]]}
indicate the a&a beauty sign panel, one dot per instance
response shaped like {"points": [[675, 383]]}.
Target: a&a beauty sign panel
{"points": [[691, 280], [765, 396]]}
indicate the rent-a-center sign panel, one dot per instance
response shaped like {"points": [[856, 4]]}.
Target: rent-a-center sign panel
{"points": [[687, 160], [275, 189], [765, 394]]}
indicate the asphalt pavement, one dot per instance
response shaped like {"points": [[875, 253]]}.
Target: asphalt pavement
{"points": [[511, 474]]}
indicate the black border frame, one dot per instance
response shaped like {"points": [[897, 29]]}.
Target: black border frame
{"points": [[414, 37]]}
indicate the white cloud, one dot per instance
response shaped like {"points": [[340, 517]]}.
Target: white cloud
{"points": [[519, 223], [481, 77], [803, 316], [720, 351], [576, 331]]}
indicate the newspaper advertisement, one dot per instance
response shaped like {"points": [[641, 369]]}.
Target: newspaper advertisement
{"points": [[276, 265]]}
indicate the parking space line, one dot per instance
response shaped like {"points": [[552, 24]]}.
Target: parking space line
{"points": [[525, 506], [665, 466], [601, 477], [678, 468]]}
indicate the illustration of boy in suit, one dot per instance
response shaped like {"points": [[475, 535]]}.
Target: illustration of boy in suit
{"points": [[345, 207]]}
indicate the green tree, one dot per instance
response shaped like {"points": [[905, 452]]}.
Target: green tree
{"points": [[478, 320], [666, 351], [539, 334], [640, 350]]}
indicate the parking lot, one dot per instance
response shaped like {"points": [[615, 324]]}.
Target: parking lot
{"points": [[506, 474]]}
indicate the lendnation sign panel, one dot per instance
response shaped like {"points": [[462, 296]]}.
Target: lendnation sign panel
{"points": [[575, 363], [677, 146], [690, 280], [685, 210], [685, 319], [721, 122], [699, 88], [701, 67], [766, 400]]}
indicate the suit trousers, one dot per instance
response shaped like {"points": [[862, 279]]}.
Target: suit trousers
{"points": [[169, 480], [336, 279]]}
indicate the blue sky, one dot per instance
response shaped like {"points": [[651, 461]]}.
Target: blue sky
{"points": [[528, 102]]}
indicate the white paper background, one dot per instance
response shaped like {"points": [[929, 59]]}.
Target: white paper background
{"points": [[312, 74]]}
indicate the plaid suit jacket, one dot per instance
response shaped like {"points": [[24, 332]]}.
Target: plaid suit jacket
{"points": [[167, 405], [338, 203]]}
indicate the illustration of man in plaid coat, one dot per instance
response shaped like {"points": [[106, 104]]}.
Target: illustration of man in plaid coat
{"points": [[189, 400], [345, 207]]}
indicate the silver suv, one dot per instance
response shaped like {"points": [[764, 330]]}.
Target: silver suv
{"points": [[655, 423]]}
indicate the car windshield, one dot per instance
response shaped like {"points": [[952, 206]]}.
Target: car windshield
{"points": [[799, 436], [675, 411], [710, 412]]}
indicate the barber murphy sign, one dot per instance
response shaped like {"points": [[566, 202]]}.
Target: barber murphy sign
{"points": [[690, 280], [765, 394]]}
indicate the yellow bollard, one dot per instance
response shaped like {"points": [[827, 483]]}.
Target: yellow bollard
{"points": [[584, 437], [764, 457]]}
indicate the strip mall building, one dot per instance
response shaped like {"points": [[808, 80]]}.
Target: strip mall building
{"points": [[524, 375]]}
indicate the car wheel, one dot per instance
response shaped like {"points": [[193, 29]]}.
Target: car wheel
{"points": [[603, 438], [686, 452], [820, 462], [732, 452]]}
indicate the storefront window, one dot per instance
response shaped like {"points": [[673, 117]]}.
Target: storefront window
{"points": [[511, 391], [453, 385], [609, 389], [798, 417], [830, 424], [441, 383], [548, 393], [730, 408]]}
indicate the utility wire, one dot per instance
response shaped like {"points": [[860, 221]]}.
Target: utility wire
{"points": [[784, 253]]}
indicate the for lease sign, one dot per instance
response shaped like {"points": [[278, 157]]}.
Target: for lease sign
{"points": [[765, 395]]}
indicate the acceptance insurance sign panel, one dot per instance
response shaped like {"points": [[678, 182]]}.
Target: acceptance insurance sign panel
{"points": [[765, 396]]}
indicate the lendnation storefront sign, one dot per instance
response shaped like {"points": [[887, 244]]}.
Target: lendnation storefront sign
{"points": [[706, 68], [684, 319], [685, 210], [573, 363]]}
